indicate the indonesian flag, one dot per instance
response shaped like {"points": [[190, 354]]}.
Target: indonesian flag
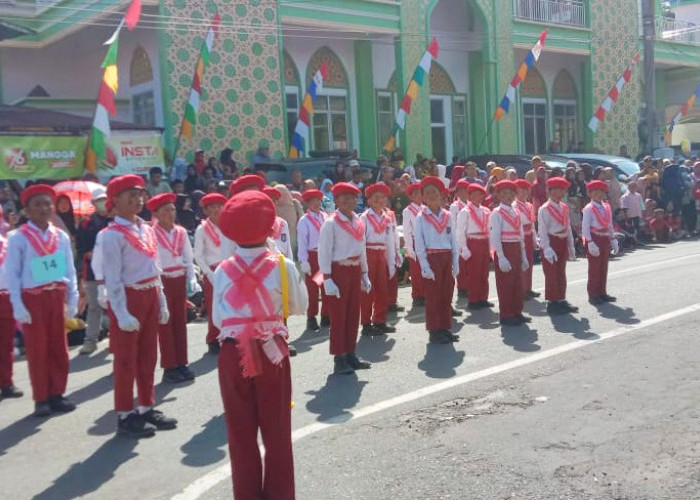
{"points": [[105, 101]]}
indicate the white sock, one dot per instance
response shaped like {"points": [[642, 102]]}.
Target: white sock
{"points": [[144, 409], [124, 414]]}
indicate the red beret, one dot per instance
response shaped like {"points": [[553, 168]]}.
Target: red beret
{"points": [[311, 193], [247, 182], [593, 185], [121, 183], [379, 187], [433, 181], [159, 200], [558, 182], [523, 184], [462, 184], [345, 188], [412, 187], [212, 199], [505, 185], [272, 193], [35, 190], [475, 186], [109, 205], [247, 218]]}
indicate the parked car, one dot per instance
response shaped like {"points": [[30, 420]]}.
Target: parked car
{"points": [[521, 163], [624, 167], [280, 171]]}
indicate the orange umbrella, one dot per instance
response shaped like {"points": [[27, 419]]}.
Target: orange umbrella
{"points": [[80, 194]]}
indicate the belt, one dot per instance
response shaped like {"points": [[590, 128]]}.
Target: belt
{"points": [[250, 320], [432, 251], [511, 241], [477, 236], [174, 272], [350, 261], [562, 234], [44, 288], [607, 235], [145, 284], [376, 246]]}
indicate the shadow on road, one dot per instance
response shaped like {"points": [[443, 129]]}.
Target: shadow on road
{"points": [[375, 349], [85, 477], [339, 394], [16, 432], [441, 360], [204, 365], [486, 319], [205, 447], [105, 425], [567, 323], [309, 339], [535, 308], [521, 338], [93, 390], [624, 315], [415, 315], [82, 363]]}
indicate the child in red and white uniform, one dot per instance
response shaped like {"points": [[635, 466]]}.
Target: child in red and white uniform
{"points": [[280, 229], [473, 245], [508, 240], [599, 237], [342, 258], [7, 331], [176, 260], [210, 248], [137, 306], [413, 191], [398, 262], [254, 291], [557, 243], [528, 218], [437, 254], [381, 260], [40, 276], [308, 231], [460, 202]]}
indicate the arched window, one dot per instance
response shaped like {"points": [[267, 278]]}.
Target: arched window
{"points": [[534, 99], [448, 116], [330, 122], [386, 111], [143, 106], [565, 101], [292, 92]]}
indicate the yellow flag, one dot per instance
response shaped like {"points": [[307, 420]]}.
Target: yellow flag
{"points": [[413, 88]]}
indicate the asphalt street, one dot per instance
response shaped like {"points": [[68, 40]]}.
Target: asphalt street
{"points": [[600, 404]]}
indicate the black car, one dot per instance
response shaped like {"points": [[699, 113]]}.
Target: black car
{"points": [[624, 167], [280, 171], [521, 163]]}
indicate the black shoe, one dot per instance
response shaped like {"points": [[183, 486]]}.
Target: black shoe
{"points": [[135, 426], [325, 322], [608, 298], [419, 302], [524, 319], [486, 303], [10, 391], [456, 313], [371, 331], [475, 306], [159, 420], [596, 301], [59, 404], [42, 409], [342, 365], [510, 321], [396, 308], [173, 376], [186, 372], [292, 350], [569, 307], [384, 328], [312, 324], [530, 294], [556, 308], [462, 294], [214, 348], [439, 337], [357, 363], [452, 336]]}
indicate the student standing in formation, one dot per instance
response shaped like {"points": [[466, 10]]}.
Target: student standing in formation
{"points": [[308, 230], [254, 292], [210, 248], [437, 254], [413, 191], [342, 259], [460, 202], [381, 260], [40, 276], [473, 245], [508, 240], [137, 305], [598, 234], [398, 262], [7, 332], [179, 281], [280, 229], [528, 219], [557, 243]]}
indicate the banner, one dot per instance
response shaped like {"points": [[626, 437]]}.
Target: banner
{"points": [[131, 153], [41, 157]]}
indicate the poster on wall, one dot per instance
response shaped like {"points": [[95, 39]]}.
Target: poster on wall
{"points": [[41, 157], [131, 152]]}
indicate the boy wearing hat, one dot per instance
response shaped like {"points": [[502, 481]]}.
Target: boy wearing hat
{"points": [[7, 332], [473, 245], [179, 281], [342, 259], [410, 213], [247, 182], [508, 240], [460, 202], [437, 254], [599, 237], [528, 218], [557, 243], [280, 229], [308, 231], [210, 248], [137, 305], [381, 260], [254, 291], [40, 277]]}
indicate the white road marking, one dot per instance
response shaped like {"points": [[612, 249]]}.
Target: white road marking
{"points": [[205, 483]]}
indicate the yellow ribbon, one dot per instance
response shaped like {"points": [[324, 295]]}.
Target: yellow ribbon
{"points": [[285, 287]]}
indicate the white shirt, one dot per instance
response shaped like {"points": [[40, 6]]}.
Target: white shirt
{"points": [[633, 203], [185, 258], [427, 237], [468, 227], [527, 213], [590, 223], [548, 225], [3, 256], [335, 244], [456, 207], [307, 234], [208, 255], [386, 238], [96, 261], [283, 242], [499, 226], [18, 271], [409, 222]]}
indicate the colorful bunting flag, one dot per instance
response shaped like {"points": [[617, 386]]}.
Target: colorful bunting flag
{"points": [[684, 109], [133, 14], [529, 61], [301, 130], [419, 75], [613, 96]]}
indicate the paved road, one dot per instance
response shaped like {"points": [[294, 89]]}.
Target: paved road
{"points": [[603, 404]]}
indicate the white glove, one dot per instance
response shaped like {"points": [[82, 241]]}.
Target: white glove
{"points": [[504, 264], [366, 283], [465, 253], [102, 296], [194, 286], [525, 263], [455, 270], [22, 315], [550, 255], [392, 271], [72, 311], [593, 249], [305, 268], [427, 273], [615, 246], [163, 315], [399, 259], [331, 288], [128, 323]]}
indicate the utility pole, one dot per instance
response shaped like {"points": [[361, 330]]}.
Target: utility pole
{"points": [[649, 34]]}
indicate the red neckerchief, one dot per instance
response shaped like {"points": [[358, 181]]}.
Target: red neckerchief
{"points": [[604, 219], [483, 221], [3, 250], [277, 228], [560, 216], [317, 223], [527, 209], [36, 240], [211, 232], [459, 203], [356, 231], [414, 209], [513, 222], [439, 225], [177, 245], [379, 224], [145, 245]]}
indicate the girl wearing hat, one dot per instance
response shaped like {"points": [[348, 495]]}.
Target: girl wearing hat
{"points": [[409, 220], [528, 219]]}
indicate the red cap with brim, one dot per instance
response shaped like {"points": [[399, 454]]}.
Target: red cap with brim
{"points": [[475, 186], [121, 183], [558, 183], [36, 190], [462, 184], [505, 185], [411, 188], [159, 200], [379, 187], [523, 184], [272, 193], [245, 182], [342, 188], [597, 185], [212, 199], [311, 193], [433, 181], [247, 218]]}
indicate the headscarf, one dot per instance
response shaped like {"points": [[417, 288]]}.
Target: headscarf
{"points": [[288, 210], [185, 217], [66, 220], [196, 196], [442, 174], [498, 172], [328, 203]]}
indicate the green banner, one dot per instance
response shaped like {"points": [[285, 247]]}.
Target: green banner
{"points": [[41, 157]]}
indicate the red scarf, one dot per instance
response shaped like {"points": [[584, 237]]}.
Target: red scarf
{"points": [[177, 245], [439, 225], [211, 232], [559, 214], [527, 209], [483, 221], [36, 240], [414, 209], [277, 228], [379, 224], [513, 222], [145, 245], [604, 219], [316, 223], [459, 204], [356, 231]]}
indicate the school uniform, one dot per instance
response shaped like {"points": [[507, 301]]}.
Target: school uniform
{"points": [[556, 236], [280, 236], [308, 231], [381, 264], [508, 239], [398, 262], [462, 279], [528, 219], [409, 220], [597, 228], [473, 240], [7, 324]]}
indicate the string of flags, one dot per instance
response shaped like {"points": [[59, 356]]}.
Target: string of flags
{"points": [[301, 130], [613, 96], [684, 109], [419, 76], [529, 61]]}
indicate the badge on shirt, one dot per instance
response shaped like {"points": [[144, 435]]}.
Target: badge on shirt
{"points": [[48, 268], [449, 230]]}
